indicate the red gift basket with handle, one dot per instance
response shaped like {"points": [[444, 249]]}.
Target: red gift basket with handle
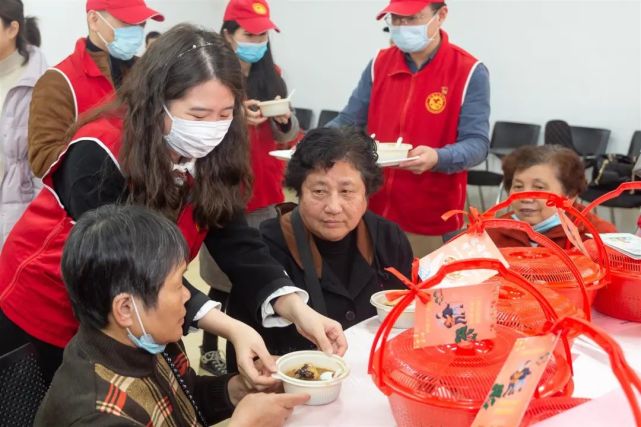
{"points": [[543, 408], [447, 384], [543, 267], [621, 298], [518, 309]]}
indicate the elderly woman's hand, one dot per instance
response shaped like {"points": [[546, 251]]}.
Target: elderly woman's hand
{"points": [[266, 410], [326, 333]]}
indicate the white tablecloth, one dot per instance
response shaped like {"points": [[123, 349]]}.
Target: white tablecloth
{"points": [[362, 404]]}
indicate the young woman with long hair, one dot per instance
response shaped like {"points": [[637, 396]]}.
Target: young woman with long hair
{"points": [[173, 140]]}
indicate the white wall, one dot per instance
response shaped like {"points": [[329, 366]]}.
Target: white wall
{"points": [[574, 60], [63, 22], [577, 60]]}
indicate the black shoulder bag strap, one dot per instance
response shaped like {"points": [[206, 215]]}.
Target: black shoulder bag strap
{"points": [[311, 280]]}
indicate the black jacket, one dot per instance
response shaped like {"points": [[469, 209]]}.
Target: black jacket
{"points": [[348, 303], [89, 178]]}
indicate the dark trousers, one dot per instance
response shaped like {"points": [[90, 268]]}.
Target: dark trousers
{"points": [[12, 337]]}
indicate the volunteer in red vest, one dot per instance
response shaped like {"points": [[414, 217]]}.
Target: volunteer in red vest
{"points": [[87, 77], [174, 140], [246, 25], [436, 96]]}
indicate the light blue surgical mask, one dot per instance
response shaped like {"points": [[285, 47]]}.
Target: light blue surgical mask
{"points": [[251, 52], [146, 341], [411, 38], [127, 40], [545, 225]]}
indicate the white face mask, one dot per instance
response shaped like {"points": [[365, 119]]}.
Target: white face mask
{"points": [[195, 139], [412, 38]]}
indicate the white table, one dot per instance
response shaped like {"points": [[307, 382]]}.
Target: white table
{"points": [[362, 404]]}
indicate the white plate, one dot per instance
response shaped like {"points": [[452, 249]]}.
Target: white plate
{"points": [[287, 155], [395, 162], [282, 154]]}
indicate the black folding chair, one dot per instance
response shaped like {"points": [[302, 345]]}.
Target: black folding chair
{"points": [[506, 136], [635, 145], [326, 116], [304, 116], [587, 142], [590, 141], [22, 387], [558, 132]]}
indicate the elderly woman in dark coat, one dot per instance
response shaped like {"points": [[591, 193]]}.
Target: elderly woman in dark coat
{"points": [[330, 245]]}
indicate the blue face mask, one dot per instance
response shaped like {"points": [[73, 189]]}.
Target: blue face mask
{"points": [[545, 225], [127, 40], [146, 341], [411, 38], [251, 52]]}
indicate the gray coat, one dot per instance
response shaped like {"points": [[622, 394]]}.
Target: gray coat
{"points": [[19, 186]]}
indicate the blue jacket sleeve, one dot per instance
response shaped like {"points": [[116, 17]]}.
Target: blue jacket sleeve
{"points": [[473, 141], [355, 113]]}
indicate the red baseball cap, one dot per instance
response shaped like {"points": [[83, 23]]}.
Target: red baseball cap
{"points": [[132, 12], [405, 7], [252, 15]]}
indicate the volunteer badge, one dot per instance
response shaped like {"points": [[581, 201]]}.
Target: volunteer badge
{"points": [[259, 8], [436, 101]]}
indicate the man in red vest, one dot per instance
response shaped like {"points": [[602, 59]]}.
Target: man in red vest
{"points": [[87, 77], [436, 96]]}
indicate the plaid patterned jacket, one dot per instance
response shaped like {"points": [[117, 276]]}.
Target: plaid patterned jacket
{"points": [[102, 382]]}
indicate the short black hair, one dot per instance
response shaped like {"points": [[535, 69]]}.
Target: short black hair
{"points": [[321, 148], [116, 249], [151, 35], [436, 6]]}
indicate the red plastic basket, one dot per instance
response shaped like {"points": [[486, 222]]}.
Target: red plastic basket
{"points": [[540, 409], [621, 298], [541, 266], [519, 309], [446, 385]]}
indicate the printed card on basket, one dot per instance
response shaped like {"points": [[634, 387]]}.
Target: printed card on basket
{"points": [[516, 383], [627, 244], [456, 315], [461, 308], [464, 247]]}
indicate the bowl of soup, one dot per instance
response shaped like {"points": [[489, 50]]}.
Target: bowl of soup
{"points": [[275, 107], [384, 305], [313, 372], [392, 151]]}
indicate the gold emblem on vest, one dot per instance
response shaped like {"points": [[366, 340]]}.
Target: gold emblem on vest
{"points": [[436, 101], [259, 9]]}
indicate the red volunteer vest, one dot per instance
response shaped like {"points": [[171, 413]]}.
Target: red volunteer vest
{"points": [[88, 85], [268, 171], [424, 109], [32, 293]]}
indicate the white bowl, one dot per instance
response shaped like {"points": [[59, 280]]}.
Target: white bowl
{"points": [[404, 321], [392, 151], [276, 107], [321, 392]]}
